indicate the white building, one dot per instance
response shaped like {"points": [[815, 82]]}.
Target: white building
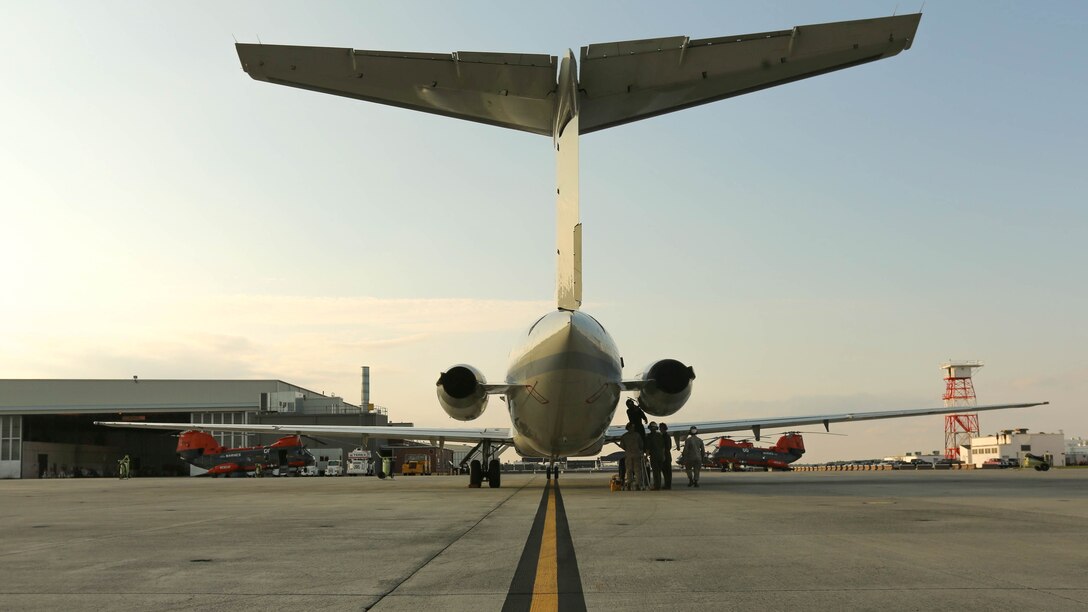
{"points": [[1014, 444], [1076, 451]]}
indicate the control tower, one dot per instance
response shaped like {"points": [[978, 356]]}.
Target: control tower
{"points": [[959, 391]]}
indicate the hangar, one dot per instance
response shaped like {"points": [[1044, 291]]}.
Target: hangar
{"points": [[47, 430]]}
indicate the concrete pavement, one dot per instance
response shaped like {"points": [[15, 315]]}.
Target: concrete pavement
{"points": [[978, 539]]}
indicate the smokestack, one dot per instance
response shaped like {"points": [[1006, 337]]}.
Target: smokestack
{"points": [[366, 388]]}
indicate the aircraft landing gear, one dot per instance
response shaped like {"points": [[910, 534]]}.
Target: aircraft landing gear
{"points": [[552, 470], [475, 474], [487, 467]]}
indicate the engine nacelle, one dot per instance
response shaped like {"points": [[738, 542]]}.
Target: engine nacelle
{"points": [[461, 392], [668, 387]]}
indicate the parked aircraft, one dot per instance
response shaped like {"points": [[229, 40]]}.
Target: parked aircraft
{"points": [[199, 448], [730, 453], [565, 378]]}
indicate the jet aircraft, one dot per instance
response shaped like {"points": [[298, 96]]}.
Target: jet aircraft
{"points": [[564, 378]]}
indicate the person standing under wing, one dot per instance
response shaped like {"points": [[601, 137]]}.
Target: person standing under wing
{"points": [[631, 443], [655, 448], [693, 457]]}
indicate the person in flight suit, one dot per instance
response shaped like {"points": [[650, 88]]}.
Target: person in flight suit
{"points": [[693, 457], [636, 417], [631, 443], [666, 459], [655, 450]]}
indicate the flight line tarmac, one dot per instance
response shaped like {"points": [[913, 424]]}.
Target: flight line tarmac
{"points": [[1001, 539]]}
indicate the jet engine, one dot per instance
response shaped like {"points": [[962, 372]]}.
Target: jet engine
{"points": [[461, 392], [668, 387]]}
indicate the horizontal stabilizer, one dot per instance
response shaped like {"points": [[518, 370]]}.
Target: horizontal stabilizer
{"points": [[619, 82], [511, 90], [626, 81]]}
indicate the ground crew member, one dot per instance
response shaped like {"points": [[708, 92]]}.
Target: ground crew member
{"points": [[666, 459], [125, 467], [636, 417], [257, 471], [692, 456], [655, 450], [631, 443]]}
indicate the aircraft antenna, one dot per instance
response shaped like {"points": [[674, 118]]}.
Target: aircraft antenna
{"points": [[959, 391]]}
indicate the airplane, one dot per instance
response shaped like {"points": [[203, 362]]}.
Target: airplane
{"points": [[565, 376], [732, 453], [199, 448]]}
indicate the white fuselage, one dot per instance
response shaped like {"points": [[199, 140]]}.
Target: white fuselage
{"points": [[565, 385]]}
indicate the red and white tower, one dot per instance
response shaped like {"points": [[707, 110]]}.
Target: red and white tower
{"points": [[959, 391]]}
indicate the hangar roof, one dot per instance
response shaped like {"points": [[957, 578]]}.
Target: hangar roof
{"points": [[75, 396]]}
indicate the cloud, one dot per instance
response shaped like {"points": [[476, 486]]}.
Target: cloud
{"points": [[314, 341], [414, 316]]}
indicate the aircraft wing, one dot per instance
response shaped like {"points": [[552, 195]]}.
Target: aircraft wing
{"points": [[434, 435], [626, 81], [511, 90], [756, 426]]}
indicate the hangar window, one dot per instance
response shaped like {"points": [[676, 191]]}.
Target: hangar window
{"points": [[226, 438], [10, 437], [1025, 447]]}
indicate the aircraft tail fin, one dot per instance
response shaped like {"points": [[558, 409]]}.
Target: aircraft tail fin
{"points": [[568, 234]]}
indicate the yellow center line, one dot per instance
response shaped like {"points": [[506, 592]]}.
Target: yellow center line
{"points": [[546, 585]]}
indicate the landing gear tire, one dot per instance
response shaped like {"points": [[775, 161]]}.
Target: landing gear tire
{"points": [[548, 472], [494, 474], [1045, 466], [475, 474]]}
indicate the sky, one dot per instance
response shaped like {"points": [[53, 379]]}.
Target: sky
{"points": [[820, 246]]}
